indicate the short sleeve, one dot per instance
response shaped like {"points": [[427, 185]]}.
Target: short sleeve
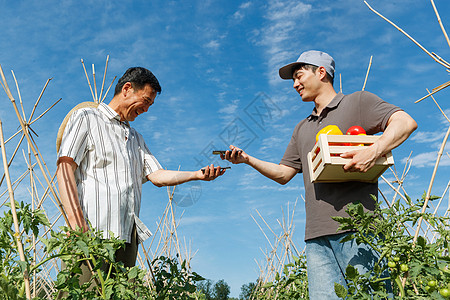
{"points": [[375, 112], [291, 157], [151, 164], [74, 143]]}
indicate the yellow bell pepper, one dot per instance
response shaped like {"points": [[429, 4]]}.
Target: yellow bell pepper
{"points": [[330, 129]]}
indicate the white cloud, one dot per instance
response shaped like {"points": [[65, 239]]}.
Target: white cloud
{"points": [[428, 159], [282, 26], [186, 221], [427, 137], [213, 44], [240, 13]]}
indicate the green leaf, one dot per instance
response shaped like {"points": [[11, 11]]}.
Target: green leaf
{"points": [[421, 241], [83, 247], [340, 290], [22, 265], [133, 273], [351, 272]]}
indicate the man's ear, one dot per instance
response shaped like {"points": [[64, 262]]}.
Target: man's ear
{"points": [[127, 88], [322, 73]]}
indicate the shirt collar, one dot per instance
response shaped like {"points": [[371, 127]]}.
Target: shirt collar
{"points": [[333, 104], [110, 113]]}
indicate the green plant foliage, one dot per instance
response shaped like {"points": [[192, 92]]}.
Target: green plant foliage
{"points": [[172, 281], [12, 269], [110, 279], [292, 283], [417, 271]]}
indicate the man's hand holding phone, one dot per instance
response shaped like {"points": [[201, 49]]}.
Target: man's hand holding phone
{"points": [[235, 155], [210, 172]]}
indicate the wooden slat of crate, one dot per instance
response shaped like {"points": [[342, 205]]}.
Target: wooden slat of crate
{"points": [[325, 165]]}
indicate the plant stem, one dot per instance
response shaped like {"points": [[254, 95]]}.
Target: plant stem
{"points": [[398, 281]]}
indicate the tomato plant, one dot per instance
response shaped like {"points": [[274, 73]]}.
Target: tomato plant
{"points": [[410, 265], [292, 283], [171, 280]]}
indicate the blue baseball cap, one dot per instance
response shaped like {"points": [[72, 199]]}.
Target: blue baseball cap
{"points": [[311, 57]]}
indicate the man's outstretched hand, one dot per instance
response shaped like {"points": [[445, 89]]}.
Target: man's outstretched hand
{"points": [[235, 155], [210, 173]]}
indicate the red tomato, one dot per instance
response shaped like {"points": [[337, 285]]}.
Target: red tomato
{"points": [[356, 130]]}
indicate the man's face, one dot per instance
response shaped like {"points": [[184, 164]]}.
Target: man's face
{"points": [[137, 102], [306, 83]]}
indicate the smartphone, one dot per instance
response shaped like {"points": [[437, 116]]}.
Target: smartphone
{"points": [[217, 152], [203, 170]]}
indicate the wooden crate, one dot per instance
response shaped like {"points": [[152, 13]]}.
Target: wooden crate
{"points": [[325, 164]]}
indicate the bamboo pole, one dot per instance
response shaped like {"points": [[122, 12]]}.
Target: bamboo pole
{"points": [[428, 194], [27, 135], [87, 77], [445, 64], [367, 74], [440, 23], [95, 83], [104, 77], [108, 89], [18, 93], [434, 91], [14, 214], [39, 99]]}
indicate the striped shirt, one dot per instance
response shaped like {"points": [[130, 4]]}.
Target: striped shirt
{"points": [[113, 162]]}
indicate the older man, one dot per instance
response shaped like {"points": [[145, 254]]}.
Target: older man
{"points": [[102, 163]]}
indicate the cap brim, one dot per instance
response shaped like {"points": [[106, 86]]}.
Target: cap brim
{"points": [[287, 71]]}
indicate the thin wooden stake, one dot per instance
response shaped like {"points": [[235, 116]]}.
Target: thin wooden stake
{"points": [[27, 135], [104, 77], [18, 93], [440, 22], [108, 89], [95, 83], [434, 91], [367, 74], [14, 214], [445, 64], [39, 99], [427, 197], [87, 77]]}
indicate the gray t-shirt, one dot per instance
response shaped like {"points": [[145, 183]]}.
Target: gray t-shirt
{"points": [[324, 200]]}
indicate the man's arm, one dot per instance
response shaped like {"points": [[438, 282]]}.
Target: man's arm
{"points": [[279, 173], [399, 127], [69, 193], [168, 178]]}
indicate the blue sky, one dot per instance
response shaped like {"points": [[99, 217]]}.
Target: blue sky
{"points": [[216, 61]]}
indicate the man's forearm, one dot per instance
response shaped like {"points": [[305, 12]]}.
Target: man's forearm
{"points": [[69, 195], [279, 173], [399, 128], [170, 178]]}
